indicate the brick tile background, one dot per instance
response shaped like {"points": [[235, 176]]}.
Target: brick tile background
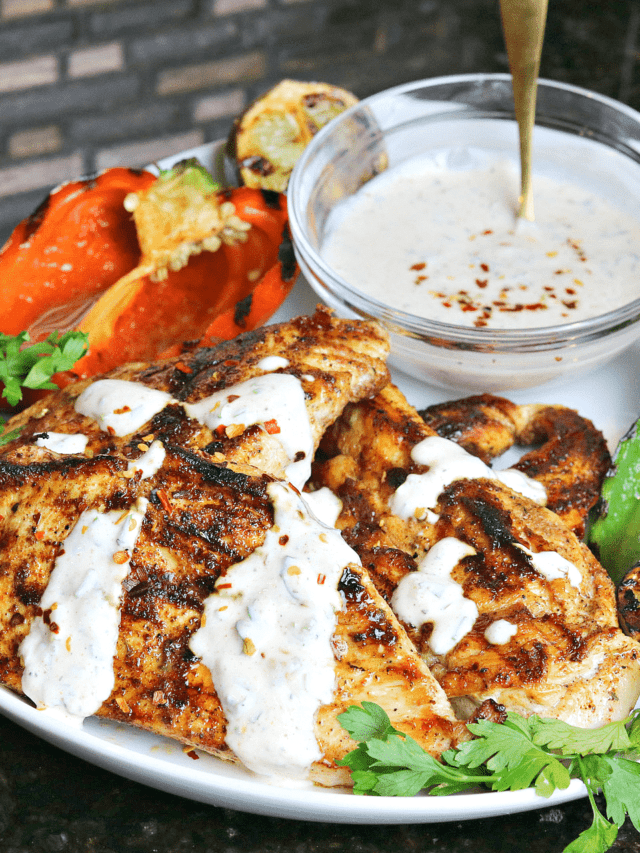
{"points": [[87, 84]]}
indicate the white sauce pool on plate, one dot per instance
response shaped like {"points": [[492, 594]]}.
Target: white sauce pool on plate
{"points": [[64, 443], [68, 663], [431, 595], [275, 399], [266, 639], [437, 237], [120, 406], [447, 463]]}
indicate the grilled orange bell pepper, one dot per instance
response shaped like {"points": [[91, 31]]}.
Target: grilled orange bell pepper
{"points": [[130, 314], [75, 245]]}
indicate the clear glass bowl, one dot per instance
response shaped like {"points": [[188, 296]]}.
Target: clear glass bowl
{"points": [[583, 131]]}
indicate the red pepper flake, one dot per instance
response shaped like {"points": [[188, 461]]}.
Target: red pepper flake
{"points": [[487, 232], [183, 368], [573, 304], [420, 278], [220, 430], [54, 627], [417, 267], [122, 411], [283, 539], [272, 427], [223, 586], [163, 497], [190, 751], [321, 579], [111, 430], [233, 397], [467, 307], [40, 535], [482, 282], [484, 267], [231, 362]]}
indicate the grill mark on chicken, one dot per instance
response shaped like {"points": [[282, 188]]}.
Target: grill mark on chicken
{"points": [[568, 659], [207, 511], [570, 462], [378, 628]]}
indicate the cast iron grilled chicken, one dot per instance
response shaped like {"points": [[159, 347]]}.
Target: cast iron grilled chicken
{"points": [[207, 508], [562, 655]]}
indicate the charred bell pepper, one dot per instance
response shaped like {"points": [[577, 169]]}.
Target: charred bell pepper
{"points": [[76, 244], [200, 253], [615, 535], [628, 595]]}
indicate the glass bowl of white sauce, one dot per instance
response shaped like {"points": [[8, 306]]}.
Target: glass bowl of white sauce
{"points": [[403, 209]]}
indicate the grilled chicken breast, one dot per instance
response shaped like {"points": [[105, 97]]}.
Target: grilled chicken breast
{"points": [[174, 510], [493, 557], [571, 458]]}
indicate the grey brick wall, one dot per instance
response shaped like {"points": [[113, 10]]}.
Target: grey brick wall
{"points": [[87, 84]]}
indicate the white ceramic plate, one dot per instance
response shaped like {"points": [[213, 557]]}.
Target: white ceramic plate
{"points": [[610, 397]]}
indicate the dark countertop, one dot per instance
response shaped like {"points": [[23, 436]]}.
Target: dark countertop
{"points": [[52, 802]]}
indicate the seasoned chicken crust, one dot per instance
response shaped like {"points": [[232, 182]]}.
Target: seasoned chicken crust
{"points": [[208, 510], [568, 658]]}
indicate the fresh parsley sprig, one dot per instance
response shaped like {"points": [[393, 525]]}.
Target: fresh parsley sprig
{"points": [[25, 365], [519, 753]]}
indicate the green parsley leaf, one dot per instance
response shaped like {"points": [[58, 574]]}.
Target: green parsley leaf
{"points": [[508, 756], [367, 722], [556, 734], [509, 752], [9, 436], [621, 789], [597, 839], [32, 365]]}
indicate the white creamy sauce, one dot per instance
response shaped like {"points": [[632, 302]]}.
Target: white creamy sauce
{"points": [[68, 663], [500, 632], [275, 400], [552, 566], [431, 595], [64, 443], [447, 463], [524, 485], [150, 462], [266, 639], [272, 362], [324, 505], [437, 237], [120, 406]]}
